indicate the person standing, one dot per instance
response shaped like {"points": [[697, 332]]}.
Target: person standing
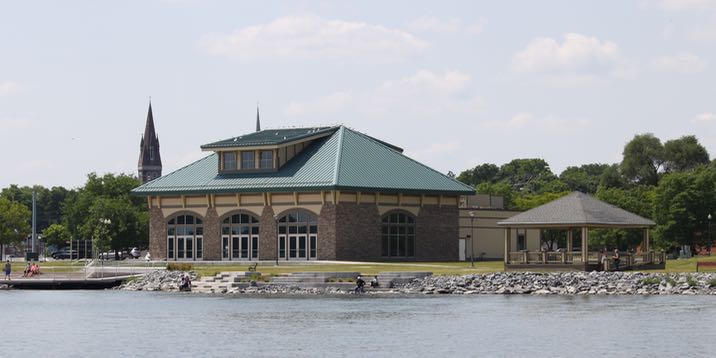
{"points": [[8, 269], [359, 285], [616, 259]]}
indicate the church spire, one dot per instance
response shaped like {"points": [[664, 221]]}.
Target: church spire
{"points": [[258, 122], [150, 161]]}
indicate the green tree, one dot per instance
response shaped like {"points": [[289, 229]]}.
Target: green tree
{"points": [[56, 234], [585, 178], [682, 203], [108, 197], [48, 202], [684, 153], [611, 178], [643, 158], [526, 175], [14, 222], [483, 173], [638, 200]]}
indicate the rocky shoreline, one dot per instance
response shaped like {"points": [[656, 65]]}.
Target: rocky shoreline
{"points": [[527, 283]]}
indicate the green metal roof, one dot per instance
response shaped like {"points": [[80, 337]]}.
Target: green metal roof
{"points": [[270, 137], [345, 160]]}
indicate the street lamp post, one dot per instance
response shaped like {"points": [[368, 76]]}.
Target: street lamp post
{"points": [[472, 239], [104, 232], [709, 233]]}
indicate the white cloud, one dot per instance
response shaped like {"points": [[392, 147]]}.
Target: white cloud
{"points": [[424, 93], [685, 63], [312, 37], [704, 118], [577, 57], [451, 25], [8, 88], [680, 5], [530, 122]]}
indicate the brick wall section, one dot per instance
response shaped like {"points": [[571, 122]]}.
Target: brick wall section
{"points": [[157, 234], [212, 235], [327, 232], [358, 232], [268, 234], [437, 233]]}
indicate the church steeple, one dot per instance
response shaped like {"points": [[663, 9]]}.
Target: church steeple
{"points": [[150, 161], [258, 122]]}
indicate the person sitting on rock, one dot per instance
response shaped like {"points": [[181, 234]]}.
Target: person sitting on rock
{"points": [[374, 282], [184, 286], [27, 272]]}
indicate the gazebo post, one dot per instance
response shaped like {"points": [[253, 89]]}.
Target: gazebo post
{"points": [[508, 233], [585, 247], [570, 238], [647, 244]]}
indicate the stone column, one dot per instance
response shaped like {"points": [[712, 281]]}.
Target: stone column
{"points": [[508, 233], [268, 234], [157, 234], [212, 235]]}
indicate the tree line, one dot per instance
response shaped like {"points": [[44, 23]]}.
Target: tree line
{"points": [[673, 184], [103, 210]]}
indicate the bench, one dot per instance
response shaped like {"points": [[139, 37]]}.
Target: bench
{"points": [[704, 264], [252, 268]]}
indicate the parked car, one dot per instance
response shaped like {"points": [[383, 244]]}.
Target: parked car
{"points": [[135, 252], [113, 255], [64, 254]]}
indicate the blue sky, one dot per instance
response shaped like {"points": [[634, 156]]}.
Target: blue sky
{"points": [[455, 83]]}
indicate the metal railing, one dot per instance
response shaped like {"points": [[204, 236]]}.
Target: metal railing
{"points": [[626, 259]]}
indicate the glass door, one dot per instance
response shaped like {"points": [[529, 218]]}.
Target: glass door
{"points": [[298, 247], [282, 246], [225, 248]]}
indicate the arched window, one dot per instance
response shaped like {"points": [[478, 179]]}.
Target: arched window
{"points": [[240, 237], [185, 238], [398, 235], [298, 235]]}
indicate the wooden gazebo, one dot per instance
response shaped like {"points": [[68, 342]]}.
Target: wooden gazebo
{"points": [[572, 212]]}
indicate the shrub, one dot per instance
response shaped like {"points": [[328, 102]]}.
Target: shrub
{"points": [[691, 281], [650, 281], [712, 283], [178, 266]]}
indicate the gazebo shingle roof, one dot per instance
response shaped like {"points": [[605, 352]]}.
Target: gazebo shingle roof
{"points": [[575, 210]]}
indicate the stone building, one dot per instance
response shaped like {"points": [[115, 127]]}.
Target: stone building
{"points": [[150, 162], [328, 193]]}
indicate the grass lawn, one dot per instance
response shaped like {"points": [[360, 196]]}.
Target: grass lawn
{"points": [[687, 265], [437, 268], [368, 269]]}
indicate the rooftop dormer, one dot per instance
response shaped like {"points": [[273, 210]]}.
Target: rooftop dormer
{"points": [[264, 150]]}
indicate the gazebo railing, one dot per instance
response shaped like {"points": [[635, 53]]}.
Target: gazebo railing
{"points": [[576, 257]]}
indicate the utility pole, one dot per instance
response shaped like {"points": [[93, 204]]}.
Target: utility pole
{"points": [[34, 219]]}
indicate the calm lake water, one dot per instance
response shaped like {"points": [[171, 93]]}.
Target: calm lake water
{"points": [[122, 324]]}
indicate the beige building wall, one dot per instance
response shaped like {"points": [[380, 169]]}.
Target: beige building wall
{"points": [[487, 237]]}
